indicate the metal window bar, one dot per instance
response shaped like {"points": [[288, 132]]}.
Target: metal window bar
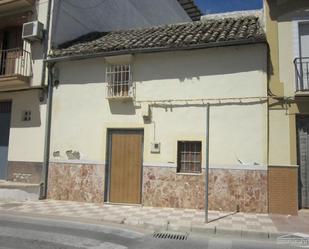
{"points": [[189, 157], [15, 62], [119, 80], [302, 73]]}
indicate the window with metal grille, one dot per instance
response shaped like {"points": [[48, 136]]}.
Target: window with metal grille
{"points": [[119, 80], [189, 157]]}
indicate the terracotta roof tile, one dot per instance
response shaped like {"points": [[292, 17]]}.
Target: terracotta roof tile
{"points": [[215, 32]]}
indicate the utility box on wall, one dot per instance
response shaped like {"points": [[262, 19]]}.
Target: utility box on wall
{"points": [[155, 147]]}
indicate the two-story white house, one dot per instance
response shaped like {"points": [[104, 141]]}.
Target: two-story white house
{"points": [[131, 109]]}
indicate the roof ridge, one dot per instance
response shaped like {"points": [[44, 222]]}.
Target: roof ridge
{"points": [[181, 24]]}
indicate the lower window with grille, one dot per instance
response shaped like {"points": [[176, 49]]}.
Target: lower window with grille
{"points": [[189, 157]]}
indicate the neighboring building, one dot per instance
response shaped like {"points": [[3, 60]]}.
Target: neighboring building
{"points": [[129, 116], [23, 76], [22, 98], [287, 26]]}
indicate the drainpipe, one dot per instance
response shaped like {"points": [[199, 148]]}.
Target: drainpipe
{"points": [[44, 184], [46, 42], [207, 162]]}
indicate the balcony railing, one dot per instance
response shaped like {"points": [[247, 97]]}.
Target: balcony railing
{"points": [[302, 74], [15, 62]]}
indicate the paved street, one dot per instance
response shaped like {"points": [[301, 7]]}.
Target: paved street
{"points": [[25, 232], [241, 225]]}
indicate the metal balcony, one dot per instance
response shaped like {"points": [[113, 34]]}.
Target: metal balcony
{"points": [[13, 5], [15, 68], [302, 74]]}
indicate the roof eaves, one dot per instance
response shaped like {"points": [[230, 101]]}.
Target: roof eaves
{"points": [[156, 49]]}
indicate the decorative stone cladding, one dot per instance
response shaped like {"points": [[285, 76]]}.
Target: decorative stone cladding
{"points": [[229, 190], [76, 182]]}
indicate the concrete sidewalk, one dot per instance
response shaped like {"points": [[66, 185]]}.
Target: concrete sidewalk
{"points": [[243, 225]]}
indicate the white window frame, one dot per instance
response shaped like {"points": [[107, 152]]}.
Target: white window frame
{"points": [[297, 21]]}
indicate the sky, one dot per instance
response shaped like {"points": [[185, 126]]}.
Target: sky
{"points": [[217, 6]]}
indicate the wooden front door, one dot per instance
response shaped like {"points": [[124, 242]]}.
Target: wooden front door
{"points": [[126, 148]]}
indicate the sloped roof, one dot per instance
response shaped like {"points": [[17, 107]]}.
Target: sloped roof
{"points": [[201, 34]]}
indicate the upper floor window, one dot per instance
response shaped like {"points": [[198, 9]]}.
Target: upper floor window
{"points": [[119, 79], [302, 63]]}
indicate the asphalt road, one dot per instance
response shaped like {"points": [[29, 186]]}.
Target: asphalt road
{"points": [[21, 232]]}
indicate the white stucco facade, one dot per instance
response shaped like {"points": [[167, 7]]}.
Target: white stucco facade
{"points": [[238, 127], [26, 141]]}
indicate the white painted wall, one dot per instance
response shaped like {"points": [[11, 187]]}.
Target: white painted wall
{"points": [[26, 141], [82, 114], [73, 18]]}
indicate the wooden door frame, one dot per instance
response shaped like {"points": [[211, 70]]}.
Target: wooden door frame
{"points": [[107, 184]]}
